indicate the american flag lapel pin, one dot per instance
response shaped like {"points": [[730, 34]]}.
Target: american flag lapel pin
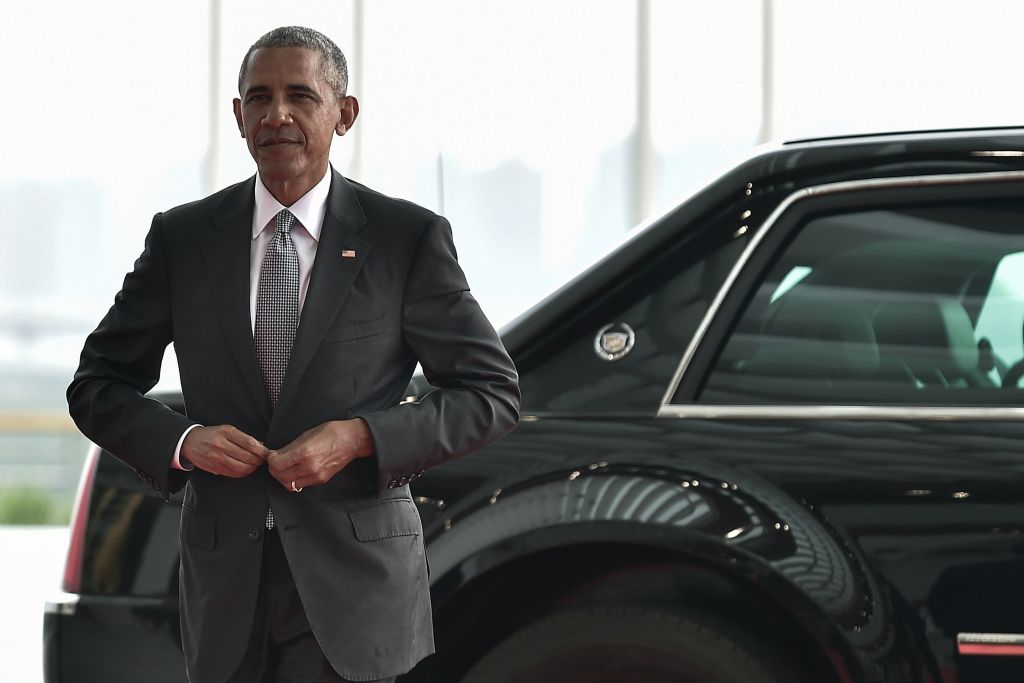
{"points": [[348, 253]]}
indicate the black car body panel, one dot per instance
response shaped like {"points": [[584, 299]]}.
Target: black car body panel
{"points": [[863, 535]]}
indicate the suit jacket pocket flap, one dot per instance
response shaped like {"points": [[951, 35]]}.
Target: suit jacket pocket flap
{"points": [[198, 530], [356, 329], [385, 519]]}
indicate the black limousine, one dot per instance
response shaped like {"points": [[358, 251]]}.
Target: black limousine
{"points": [[776, 436]]}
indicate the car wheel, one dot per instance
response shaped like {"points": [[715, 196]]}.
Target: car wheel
{"points": [[626, 646]]}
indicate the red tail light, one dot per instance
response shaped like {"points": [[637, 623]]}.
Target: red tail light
{"points": [[79, 520]]}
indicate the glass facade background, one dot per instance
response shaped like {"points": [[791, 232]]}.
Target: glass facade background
{"points": [[544, 131]]}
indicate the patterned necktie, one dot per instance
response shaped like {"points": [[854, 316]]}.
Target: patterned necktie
{"points": [[277, 306], [277, 311]]}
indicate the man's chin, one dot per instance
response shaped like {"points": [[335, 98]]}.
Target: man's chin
{"points": [[278, 170]]}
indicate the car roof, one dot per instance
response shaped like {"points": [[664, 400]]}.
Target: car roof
{"points": [[985, 131]]}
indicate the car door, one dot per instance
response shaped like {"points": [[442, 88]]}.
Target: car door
{"points": [[864, 355]]}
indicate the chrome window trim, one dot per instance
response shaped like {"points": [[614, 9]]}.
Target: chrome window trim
{"points": [[991, 638], [784, 205], [841, 412]]}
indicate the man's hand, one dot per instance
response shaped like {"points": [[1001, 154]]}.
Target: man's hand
{"points": [[320, 453], [223, 450]]}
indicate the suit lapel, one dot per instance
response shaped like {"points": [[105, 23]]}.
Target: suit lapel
{"points": [[340, 255], [227, 263]]}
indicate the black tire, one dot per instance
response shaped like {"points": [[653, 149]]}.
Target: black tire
{"points": [[626, 646]]}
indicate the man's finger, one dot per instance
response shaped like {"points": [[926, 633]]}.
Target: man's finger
{"points": [[300, 479], [235, 452], [290, 475], [282, 460], [228, 466], [246, 442], [296, 485], [285, 469], [294, 472]]}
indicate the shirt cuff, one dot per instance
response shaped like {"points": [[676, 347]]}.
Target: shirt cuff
{"points": [[176, 460]]}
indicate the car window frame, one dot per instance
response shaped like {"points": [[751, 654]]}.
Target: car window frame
{"points": [[680, 397], [718, 229]]}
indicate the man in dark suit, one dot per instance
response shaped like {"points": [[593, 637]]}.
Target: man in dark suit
{"points": [[298, 303]]}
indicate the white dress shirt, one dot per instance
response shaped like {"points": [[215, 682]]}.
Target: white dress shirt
{"points": [[309, 211]]}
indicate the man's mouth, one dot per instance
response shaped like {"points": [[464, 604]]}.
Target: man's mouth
{"points": [[270, 142]]}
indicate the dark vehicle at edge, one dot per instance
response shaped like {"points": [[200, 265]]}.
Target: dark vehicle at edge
{"points": [[775, 436]]}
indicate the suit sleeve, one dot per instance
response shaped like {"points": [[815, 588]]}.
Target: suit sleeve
{"points": [[120, 362], [477, 400]]}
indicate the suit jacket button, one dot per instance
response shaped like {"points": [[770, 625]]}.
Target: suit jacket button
{"points": [[254, 534]]}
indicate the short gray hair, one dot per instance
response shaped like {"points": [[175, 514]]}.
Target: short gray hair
{"points": [[333, 67]]}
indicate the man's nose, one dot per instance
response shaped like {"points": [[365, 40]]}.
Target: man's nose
{"points": [[278, 114]]}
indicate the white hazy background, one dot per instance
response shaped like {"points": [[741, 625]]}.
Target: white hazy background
{"points": [[543, 130]]}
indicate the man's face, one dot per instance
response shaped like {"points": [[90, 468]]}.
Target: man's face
{"points": [[287, 114]]}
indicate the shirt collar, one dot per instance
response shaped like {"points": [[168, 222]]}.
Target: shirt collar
{"points": [[309, 210]]}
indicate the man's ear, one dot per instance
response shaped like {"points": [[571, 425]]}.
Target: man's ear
{"points": [[349, 112], [236, 105]]}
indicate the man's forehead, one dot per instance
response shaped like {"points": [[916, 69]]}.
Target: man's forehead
{"points": [[268, 61]]}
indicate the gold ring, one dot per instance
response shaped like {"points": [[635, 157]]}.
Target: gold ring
{"points": [[295, 488]]}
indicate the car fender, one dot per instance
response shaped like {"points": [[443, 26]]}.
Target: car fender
{"points": [[737, 523]]}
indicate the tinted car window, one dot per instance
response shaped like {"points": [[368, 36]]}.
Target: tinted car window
{"points": [[131, 537], [917, 304], [662, 302], [999, 311]]}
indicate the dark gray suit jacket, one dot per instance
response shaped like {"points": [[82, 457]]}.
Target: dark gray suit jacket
{"points": [[355, 544]]}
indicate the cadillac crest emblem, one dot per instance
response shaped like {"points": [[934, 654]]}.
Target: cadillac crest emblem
{"points": [[614, 341]]}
